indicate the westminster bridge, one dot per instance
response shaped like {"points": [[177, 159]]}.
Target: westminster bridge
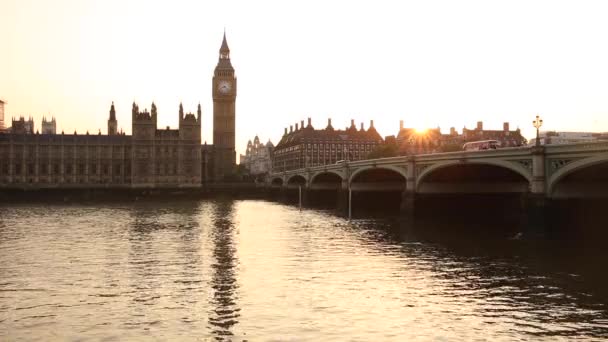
{"points": [[540, 174]]}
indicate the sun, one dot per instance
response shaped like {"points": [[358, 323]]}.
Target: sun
{"points": [[420, 130]]}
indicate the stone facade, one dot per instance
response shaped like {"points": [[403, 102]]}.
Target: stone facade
{"points": [[308, 147], [258, 157], [224, 116], [150, 158], [49, 127], [22, 126]]}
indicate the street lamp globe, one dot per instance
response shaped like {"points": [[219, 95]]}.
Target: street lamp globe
{"points": [[537, 123]]}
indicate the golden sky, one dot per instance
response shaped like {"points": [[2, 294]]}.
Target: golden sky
{"points": [[430, 63]]}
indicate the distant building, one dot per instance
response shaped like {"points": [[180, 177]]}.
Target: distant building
{"points": [[49, 127], [553, 137], [306, 146], [413, 141], [258, 157], [506, 137], [22, 126]]}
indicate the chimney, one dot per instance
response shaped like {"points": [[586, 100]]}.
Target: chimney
{"points": [[505, 126], [291, 129], [285, 131], [453, 131], [329, 122], [480, 125], [296, 126], [362, 128], [352, 123], [302, 124], [400, 125], [309, 122], [371, 124]]}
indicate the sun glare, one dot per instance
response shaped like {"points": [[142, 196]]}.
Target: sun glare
{"points": [[420, 130]]}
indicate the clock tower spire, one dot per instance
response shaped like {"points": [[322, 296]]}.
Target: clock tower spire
{"points": [[224, 115]]}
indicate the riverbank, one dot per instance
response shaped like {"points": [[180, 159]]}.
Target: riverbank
{"points": [[232, 190]]}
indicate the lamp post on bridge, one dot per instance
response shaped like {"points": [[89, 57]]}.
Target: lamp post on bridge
{"points": [[537, 123]]}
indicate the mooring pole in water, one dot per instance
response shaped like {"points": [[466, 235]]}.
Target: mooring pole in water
{"points": [[350, 208], [300, 196]]}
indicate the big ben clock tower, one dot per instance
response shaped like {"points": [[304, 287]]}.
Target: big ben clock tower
{"points": [[224, 96]]}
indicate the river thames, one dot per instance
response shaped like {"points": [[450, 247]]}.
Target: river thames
{"points": [[262, 271]]}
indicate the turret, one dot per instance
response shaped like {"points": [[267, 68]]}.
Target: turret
{"points": [[134, 111], [153, 111], [112, 123]]}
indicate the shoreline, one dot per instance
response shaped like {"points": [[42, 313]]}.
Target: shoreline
{"points": [[232, 190]]}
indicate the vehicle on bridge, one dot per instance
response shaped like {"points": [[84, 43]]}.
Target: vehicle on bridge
{"points": [[481, 145]]}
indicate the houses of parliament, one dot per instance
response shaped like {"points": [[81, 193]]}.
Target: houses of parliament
{"points": [[149, 158]]}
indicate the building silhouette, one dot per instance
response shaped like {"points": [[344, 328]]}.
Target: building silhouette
{"points": [[410, 141], [149, 158], [49, 127], [257, 159], [306, 146], [224, 115]]}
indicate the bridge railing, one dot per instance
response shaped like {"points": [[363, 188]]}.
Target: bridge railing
{"points": [[581, 146]]}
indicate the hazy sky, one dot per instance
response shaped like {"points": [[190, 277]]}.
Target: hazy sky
{"points": [[430, 63]]}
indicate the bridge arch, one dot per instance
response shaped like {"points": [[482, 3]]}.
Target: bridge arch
{"points": [[328, 172], [358, 171], [326, 180], [296, 180], [572, 168], [276, 181], [520, 170]]}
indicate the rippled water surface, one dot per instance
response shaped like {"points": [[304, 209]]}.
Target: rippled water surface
{"points": [[259, 271]]}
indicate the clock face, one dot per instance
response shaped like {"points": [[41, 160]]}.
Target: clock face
{"points": [[224, 87]]}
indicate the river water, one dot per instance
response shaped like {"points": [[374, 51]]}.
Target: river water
{"points": [[263, 271]]}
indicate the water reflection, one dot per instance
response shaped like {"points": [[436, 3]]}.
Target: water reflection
{"points": [[166, 265], [225, 311], [524, 284], [184, 270]]}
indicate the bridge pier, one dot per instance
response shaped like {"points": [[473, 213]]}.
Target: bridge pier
{"points": [[408, 197], [535, 211], [408, 204], [342, 200], [305, 197], [536, 202]]}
